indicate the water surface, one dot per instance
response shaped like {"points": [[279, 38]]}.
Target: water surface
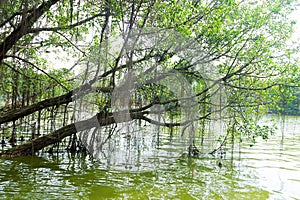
{"points": [[148, 170]]}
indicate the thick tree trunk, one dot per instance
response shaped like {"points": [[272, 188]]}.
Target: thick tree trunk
{"points": [[30, 148], [37, 144]]}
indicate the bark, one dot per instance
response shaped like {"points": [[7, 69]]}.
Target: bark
{"points": [[35, 145], [32, 147]]}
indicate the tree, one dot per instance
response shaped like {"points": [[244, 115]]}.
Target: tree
{"points": [[227, 59]]}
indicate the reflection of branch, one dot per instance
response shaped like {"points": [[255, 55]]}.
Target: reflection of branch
{"points": [[111, 132], [221, 145], [101, 119]]}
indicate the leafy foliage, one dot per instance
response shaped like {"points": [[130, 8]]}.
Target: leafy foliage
{"points": [[237, 47]]}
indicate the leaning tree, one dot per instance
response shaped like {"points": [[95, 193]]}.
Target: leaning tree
{"points": [[188, 62]]}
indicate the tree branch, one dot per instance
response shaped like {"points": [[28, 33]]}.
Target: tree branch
{"points": [[37, 30], [24, 27], [39, 69]]}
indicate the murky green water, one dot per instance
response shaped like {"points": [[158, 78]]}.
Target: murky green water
{"points": [[267, 170]]}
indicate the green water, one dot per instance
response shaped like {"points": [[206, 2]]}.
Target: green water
{"points": [[267, 170]]}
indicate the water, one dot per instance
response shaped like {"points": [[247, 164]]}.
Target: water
{"points": [[267, 170]]}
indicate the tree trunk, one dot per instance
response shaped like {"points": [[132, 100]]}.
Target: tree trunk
{"points": [[15, 114], [30, 148]]}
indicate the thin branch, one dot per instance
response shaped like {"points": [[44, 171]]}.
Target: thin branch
{"points": [[15, 70], [37, 30], [43, 71], [253, 89], [70, 42]]}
